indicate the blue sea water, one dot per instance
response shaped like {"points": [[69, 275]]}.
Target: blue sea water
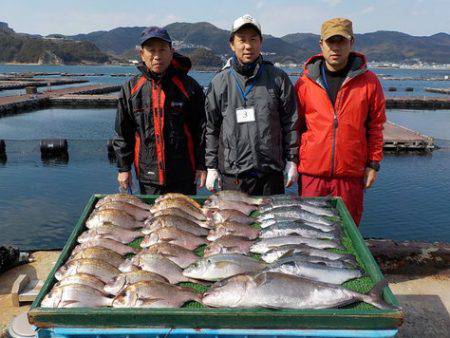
{"points": [[42, 200]]}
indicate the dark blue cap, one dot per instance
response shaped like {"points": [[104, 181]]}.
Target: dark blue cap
{"points": [[154, 32]]}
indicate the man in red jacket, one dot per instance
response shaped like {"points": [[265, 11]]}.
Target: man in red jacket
{"points": [[342, 112]]}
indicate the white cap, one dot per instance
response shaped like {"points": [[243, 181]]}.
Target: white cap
{"points": [[246, 19]]}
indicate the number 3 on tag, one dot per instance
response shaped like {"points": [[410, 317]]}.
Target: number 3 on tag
{"points": [[245, 115]]}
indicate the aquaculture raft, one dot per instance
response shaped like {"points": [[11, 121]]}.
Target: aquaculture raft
{"points": [[359, 316]]}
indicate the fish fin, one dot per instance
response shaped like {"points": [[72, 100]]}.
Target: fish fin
{"points": [[288, 253], [375, 296], [67, 302], [196, 281]]}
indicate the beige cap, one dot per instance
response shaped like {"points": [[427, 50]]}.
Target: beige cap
{"points": [[244, 20], [337, 26]]}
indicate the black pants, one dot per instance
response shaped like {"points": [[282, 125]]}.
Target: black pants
{"points": [[183, 187], [257, 184]]}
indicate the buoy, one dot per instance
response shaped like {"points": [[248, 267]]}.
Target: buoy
{"points": [[392, 89], [409, 89], [54, 146]]}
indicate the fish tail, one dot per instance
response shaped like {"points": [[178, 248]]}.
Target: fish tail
{"points": [[375, 296]]}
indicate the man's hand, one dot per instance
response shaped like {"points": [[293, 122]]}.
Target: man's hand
{"points": [[211, 178], [200, 178], [291, 172], [125, 180], [370, 177]]}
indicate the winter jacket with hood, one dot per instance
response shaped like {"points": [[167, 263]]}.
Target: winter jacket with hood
{"points": [[160, 125], [340, 140], [263, 145]]}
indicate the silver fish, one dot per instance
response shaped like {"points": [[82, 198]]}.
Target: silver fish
{"points": [[300, 205], [120, 282], [293, 222], [228, 244], [99, 269], [176, 222], [130, 199], [278, 230], [295, 214], [138, 214], [174, 236], [110, 231], [234, 196], [281, 291], [232, 228], [155, 294], [267, 244], [317, 272], [115, 217], [216, 216], [340, 264], [287, 250], [222, 266], [100, 253], [111, 244], [75, 295]]}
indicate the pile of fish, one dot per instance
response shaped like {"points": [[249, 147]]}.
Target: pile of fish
{"points": [[277, 252]]}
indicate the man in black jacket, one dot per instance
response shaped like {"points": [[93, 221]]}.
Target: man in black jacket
{"points": [[160, 121], [252, 123]]}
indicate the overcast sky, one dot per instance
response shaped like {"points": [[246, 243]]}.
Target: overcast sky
{"points": [[415, 17]]}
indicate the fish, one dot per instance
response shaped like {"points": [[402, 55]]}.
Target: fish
{"points": [[314, 271], [220, 266], [228, 244], [179, 204], [177, 254], [164, 267], [110, 231], [174, 236], [281, 291], [154, 294], [115, 217], [291, 249], [180, 213], [293, 222], [99, 253], [111, 244], [341, 264], [299, 205], [130, 199], [100, 269], [120, 282], [215, 216], [294, 213], [232, 228], [176, 222], [174, 195], [242, 207], [82, 279], [267, 244], [75, 295], [138, 214], [234, 196], [282, 229]]}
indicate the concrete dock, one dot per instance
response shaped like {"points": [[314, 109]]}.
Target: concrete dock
{"points": [[398, 138], [9, 83], [417, 102]]}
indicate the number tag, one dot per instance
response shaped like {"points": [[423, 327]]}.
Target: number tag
{"points": [[245, 115]]}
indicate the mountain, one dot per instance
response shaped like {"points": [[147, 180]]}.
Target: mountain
{"points": [[295, 48], [387, 46], [24, 48]]}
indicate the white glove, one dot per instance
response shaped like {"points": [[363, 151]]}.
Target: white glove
{"points": [[291, 172], [211, 178]]}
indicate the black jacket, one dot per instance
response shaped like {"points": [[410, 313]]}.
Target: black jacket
{"points": [[160, 125], [263, 145]]}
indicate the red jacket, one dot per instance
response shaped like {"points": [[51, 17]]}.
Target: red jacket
{"points": [[340, 141]]}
